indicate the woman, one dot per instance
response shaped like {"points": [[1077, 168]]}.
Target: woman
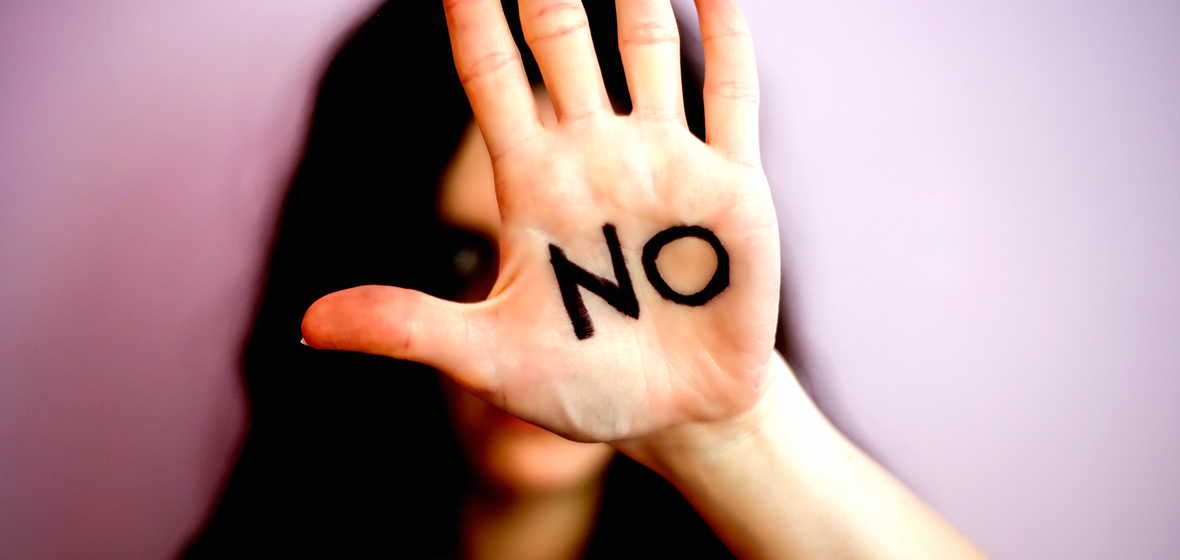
{"points": [[673, 367]]}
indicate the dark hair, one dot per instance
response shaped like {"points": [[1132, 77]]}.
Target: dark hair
{"points": [[351, 454]]}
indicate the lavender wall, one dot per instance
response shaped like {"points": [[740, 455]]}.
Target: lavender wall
{"points": [[981, 212], [143, 145], [980, 205]]}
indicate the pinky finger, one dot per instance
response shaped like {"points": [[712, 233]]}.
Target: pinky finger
{"points": [[731, 81]]}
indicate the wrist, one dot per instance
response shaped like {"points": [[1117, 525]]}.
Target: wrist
{"points": [[780, 481], [752, 474], [783, 422]]}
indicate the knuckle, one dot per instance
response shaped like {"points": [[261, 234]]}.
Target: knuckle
{"points": [[400, 333], [650, 33], [558, 9], [656, 114], [505, 146], [729, 34], [556, 20], [485, 65], [560, 31], [575, 114], [405, 345], [740, 92]]}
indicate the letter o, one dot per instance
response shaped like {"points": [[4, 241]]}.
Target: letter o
{"points": [[720, 279]]}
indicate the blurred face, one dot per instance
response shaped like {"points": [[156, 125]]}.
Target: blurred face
{"points": [[506, 453]]}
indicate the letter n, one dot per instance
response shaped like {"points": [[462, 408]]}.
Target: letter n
{"points": [[621, 296]]}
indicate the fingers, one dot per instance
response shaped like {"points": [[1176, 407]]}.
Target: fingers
{"points": [[403, 324], [492, 73], [649, 43], [558, 33], [731, 81]]}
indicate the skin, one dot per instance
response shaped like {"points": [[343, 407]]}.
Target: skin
{"points": [[513, 455], [696, 393], [538, 492]]}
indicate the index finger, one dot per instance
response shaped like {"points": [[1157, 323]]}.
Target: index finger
{"points": [[491, 71]]}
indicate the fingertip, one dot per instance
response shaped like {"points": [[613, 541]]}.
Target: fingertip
{"points": [[398, 323], [316, 327], [310, 327], [370, 319]]}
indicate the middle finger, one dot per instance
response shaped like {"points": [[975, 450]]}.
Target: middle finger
{"points": [[558, 33], [649, 43]]}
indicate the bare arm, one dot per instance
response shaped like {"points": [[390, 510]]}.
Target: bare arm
{"points": [[779, 481], [592, 333]]}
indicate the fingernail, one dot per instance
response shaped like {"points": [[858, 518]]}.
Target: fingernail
{"points": [[304, 342]]}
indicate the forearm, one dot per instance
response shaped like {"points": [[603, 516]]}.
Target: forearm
{"points": [[780, 482]]}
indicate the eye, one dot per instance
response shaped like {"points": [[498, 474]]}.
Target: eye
{"points": [[474, 264], [466, 260]]}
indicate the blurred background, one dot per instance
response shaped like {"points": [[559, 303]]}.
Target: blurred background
{"points": [[980, 208]]}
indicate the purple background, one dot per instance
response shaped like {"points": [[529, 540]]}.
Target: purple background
{"points": [[980, 204]]}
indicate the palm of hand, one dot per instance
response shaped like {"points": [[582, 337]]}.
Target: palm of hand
{"points": [[673, 363], [559, 186]]}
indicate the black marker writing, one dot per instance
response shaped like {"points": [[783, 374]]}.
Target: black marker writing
{"points": [[720, 279], [621, 296]]}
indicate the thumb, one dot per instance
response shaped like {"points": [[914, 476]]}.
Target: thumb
{"points": [[403, 324]]}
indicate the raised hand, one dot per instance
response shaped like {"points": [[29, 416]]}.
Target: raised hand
{"points": [[586, 333]]}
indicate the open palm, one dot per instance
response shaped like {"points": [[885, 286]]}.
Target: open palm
{"points": [[586, 333]]}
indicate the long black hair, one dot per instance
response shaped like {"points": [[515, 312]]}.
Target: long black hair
{"points": [[350, 454]]}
